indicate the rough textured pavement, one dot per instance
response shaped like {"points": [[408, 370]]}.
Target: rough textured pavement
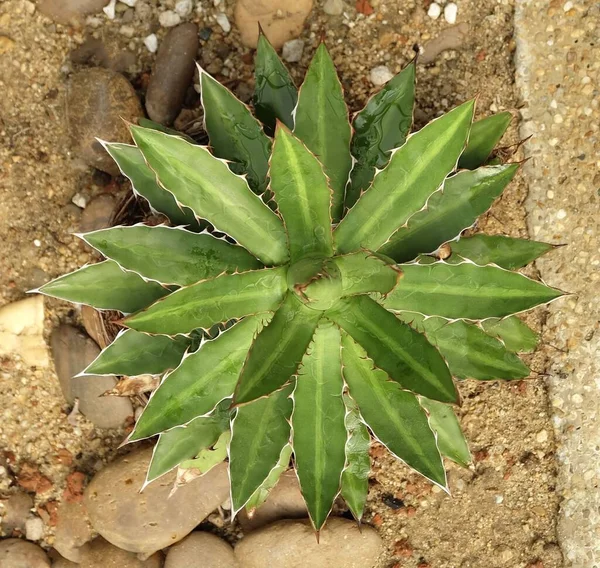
{"points": [[558, 77]]}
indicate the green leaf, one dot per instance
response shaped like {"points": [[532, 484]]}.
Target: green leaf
{"points": [[133, 353], [132, 164], [506, 252], [404, 354], [414, 172], [261, 494], [205, 184], [450, 210], [380, 127], [318, 429], [364, 272], [277, 351], [355, 478], [185, 442], [303, 196], [208, 458], [105, 286], [485, 134], [259, 432], [147, 123], [469, 351], [275, 95], [514, 333], [322, 124], [213, 301], [235, 134], [202, 380], [450, 438], [393, 414], [170, 255], [465, 291]]}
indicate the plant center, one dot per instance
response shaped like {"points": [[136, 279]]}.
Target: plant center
{"points": [[316, 281]]}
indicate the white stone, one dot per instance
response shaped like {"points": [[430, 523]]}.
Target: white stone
{"points": [[109, 10], [561, 214], [130, 3], [80, 200], [542, 436], [184, 8], [333, 7], [21, 331], [434, 11], [169, 19], [223, 21], [380, 75], [151, 43], [568, 6], [450, 12], [34, 528], [292, 50]]}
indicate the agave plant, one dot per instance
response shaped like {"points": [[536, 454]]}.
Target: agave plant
{"points": [[312, 291]]}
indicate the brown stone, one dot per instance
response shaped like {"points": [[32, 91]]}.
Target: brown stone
{"points": [[100, 553], [17, 553], [73, 530], [201, 550], [68, 11]]}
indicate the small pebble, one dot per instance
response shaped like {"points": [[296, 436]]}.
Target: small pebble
{"points": [[109, 10], [542, 436], [380, 75], [184, 8], [450, 12], [169, 19], [561, 214], [151, 43], [34, 528], [434, 11], [205, 34], [130, 3], [333, 7], [223, 21], [568, 6], [292, 50], [80, 200]]}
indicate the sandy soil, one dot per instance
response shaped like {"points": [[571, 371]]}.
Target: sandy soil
{"points": [[502, 512]]}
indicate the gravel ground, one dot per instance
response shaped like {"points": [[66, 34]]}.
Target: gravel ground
{"points": [[503, 510]]}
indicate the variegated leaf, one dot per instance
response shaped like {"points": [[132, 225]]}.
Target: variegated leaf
{"points": [[363, 272], [485, 134], [514, 333]]}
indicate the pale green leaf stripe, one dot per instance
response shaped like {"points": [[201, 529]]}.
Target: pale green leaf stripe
{"points": [[450, 438], [303, 196], [208, 458], [213, 301], [318, 429], [261, 494], [355, 478], [105, 286], [404, 354], [277, 351], [275, 95], [506, 252], [133, 353], [259, 432], [393, 414], [185, 442], [485, 134], [234, 133], [514, 333], [414, 172], [205, 184], [470, 352], [465, 291], [143, 180], [363, 272], [204, 378], [171, 255], [322, 124], [380, 127], [450, 210]]}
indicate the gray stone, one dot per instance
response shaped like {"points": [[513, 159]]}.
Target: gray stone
{"points": [[73, 530], [16, 510], [67, 11], [98, 104], [292, 50], [284, 502], [17, 553], [172, 74], [292, 544], [101, 554], [73, 352], [333, 7], [151, 520], [98, 213], [453, 37], [201, 550], [281, 20]]}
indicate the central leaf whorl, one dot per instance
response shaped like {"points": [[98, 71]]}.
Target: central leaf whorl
{"points": [[316, 281]]}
